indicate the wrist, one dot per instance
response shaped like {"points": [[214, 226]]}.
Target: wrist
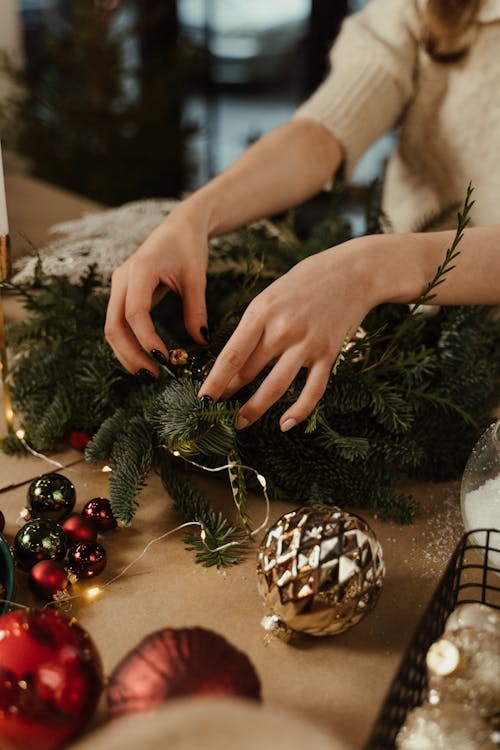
{"points": [[392, 267]]}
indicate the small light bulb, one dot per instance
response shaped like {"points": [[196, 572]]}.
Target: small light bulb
{"points": [[20, 434], [177, 454], [106, 469], [93, 592], [262, 481]]}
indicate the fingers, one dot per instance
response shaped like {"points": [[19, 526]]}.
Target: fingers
{"points": [[271, 389], [233, 357], [129, 328], [195, 308], [275, 386], [314, 388]]}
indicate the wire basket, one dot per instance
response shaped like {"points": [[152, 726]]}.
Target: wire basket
{"points": [[470, 576]]}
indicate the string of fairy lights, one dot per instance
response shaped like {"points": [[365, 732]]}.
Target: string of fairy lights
{"points": [[64, 600]]}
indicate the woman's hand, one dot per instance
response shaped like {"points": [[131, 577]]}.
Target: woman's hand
{"points": [[300, 320], [173, 257]]}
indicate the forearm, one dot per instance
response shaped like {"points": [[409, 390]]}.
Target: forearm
{"points": [[399, 267], [279, 171]]}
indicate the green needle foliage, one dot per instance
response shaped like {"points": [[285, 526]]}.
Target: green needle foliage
{"points": [[409, 398]]}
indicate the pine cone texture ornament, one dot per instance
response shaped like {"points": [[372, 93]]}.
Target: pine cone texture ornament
{"points": [[320, 570]]}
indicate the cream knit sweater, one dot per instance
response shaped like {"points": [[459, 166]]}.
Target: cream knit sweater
{"points": [[448, 114]]}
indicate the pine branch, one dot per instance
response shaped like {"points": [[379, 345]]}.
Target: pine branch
{"points": [[185, 423], [194, 505], [131, 459]]}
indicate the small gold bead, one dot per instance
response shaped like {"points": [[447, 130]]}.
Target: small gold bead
{"points": [[178, 357]]}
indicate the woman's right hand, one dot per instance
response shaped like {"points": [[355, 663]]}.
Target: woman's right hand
{"points": [[174, 256]]}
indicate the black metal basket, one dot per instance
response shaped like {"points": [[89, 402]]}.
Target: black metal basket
{"points": [[470, 576]]}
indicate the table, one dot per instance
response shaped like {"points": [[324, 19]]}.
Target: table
{"points": [[340, 682]]}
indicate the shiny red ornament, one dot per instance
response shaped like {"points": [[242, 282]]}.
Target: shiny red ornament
{"points": [[51, 680], [46, 578], [175, 662], [99, 511], [78, 439], [87, 559], [79, 529]]}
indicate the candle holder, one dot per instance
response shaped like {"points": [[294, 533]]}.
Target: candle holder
{"points": [[4, 369]]}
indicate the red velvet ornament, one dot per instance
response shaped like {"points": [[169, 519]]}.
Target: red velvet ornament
{"points": [[79, 529], [99, 511], [175, 662], [51, 680], [87, 559], [78, 439], [46, 578], [2, 522]]}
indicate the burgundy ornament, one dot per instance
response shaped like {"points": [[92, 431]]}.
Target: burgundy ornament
{"points": [[79, 529], [51, 680], [87, 559], [99, 511], [2, 522], [78, 439], [46, 578], [175, 662]]}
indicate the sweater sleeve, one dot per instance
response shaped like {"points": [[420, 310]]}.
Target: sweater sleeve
{"points": [[371, 78]]}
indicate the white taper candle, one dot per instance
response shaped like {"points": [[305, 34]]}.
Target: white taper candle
{"points": [[4, 223]]}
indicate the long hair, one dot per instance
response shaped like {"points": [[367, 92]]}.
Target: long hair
{"points": [[444, 27]]}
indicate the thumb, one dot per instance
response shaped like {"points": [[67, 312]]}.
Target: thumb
{"points": [[195, 310]]}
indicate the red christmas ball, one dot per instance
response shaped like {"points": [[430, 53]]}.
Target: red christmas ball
{"points": [[46, 578], [175, 662], [99, 511], [79, 529], [2, 522], [87, 559], [51, 680], [78, 439]]}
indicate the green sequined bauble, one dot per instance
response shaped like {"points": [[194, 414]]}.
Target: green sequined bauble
{"points": [[51, 497], [39, 540]]}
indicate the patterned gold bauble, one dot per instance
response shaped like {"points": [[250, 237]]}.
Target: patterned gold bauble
{"points": [[320, 570]]}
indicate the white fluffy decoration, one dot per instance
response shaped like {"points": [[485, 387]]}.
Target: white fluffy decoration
{"points": [[107, 238]]}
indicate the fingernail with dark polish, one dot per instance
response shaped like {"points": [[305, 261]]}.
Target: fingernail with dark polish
{"points": [[206, 401], [146, 376], [206, 334], [159, 356]]}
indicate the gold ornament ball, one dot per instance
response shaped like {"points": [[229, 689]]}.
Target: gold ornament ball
{"points": [[320, 570]]}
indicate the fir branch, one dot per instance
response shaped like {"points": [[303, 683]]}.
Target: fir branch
{"points": [[186, 424], [131, 459], [191, 501], [349, 448], [101, 444], [443, 402], [54, 423]]}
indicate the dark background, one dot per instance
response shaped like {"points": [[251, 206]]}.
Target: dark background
{"points": [[126, 99]]}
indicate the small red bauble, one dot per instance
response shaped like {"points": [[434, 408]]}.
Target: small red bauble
{"points": [[78, 439], [79, 529], [175, 662], [46, 578], [99, 511], [87, 559], [51, 680]]}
